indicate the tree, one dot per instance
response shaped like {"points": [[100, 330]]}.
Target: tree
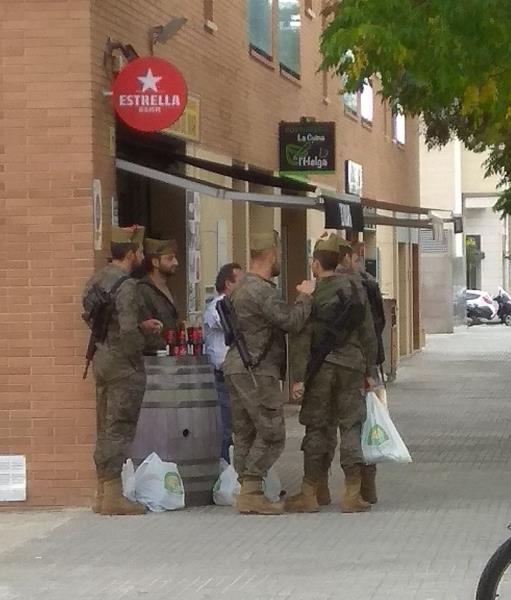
{"points": [[446, 60]]}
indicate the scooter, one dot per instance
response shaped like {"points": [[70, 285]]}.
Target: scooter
{"points": [[499, 313], [503, 299], [479, 315]]}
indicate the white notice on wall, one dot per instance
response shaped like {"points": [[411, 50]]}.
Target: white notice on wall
{"points": [[13, 478]]}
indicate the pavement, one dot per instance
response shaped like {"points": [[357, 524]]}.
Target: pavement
{"points": [[438, 521]]}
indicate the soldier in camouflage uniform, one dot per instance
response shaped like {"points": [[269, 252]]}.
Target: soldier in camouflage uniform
{"points": [[257, 403], [156, 300], [333, 399], [352, 265], [118, 367]]}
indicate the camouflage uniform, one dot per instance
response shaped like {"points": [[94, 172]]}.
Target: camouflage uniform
{"points": [[156, 304], [257, 412], [118, 367], [334, 400]]}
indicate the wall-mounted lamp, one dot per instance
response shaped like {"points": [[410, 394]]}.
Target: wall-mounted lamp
{"points": [[161, 34]]}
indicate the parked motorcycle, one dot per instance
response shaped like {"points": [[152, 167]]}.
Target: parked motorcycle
{"points": [[503, 299], [482, 309]]}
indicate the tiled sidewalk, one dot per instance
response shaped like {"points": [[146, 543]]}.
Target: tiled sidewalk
{"points": [[439, 519]]}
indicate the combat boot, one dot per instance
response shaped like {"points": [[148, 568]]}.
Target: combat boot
{"points": [[98, 498], [351, 500], [305, 501], [323, 491], [114, 503], [368, 487], [251, 500]]}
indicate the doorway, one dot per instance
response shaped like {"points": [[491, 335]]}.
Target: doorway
{"points": [[403, 298]]}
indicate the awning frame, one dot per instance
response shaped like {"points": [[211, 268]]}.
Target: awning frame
{"points": [[309, 201]]}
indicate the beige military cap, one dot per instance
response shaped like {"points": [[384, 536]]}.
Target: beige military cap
{"points": [[264, 241], [154, 247], [330, 244], [343, 243], [128, 235]]}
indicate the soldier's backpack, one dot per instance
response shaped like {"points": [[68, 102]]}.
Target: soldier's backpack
{"points": [[98, 305]]}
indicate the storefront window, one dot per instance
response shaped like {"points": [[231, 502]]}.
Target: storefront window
{"points": [[366, 103], [260, 26], [289, 36]]}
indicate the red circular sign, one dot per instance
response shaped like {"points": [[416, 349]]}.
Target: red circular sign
{"points": [[149, 94]]}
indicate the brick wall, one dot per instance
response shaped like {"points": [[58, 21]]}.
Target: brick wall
{"points": [[243, 99], [55, 124], [46, 412]]}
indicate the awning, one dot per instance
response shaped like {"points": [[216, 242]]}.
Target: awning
{"points": [[216, 191], [350, 207]]}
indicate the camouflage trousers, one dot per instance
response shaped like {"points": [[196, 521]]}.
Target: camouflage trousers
{"points": [[118, 406], [333, 402], [257, 423]]}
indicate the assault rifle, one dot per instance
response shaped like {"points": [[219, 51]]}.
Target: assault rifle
{"points": [[337, 334], [99, 306], [233, 335]]}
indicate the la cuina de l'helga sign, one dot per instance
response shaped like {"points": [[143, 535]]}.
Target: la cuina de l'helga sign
{"points": [[307, 147]]}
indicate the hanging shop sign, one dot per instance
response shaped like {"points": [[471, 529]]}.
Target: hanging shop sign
{"points": [[353, 178], [307, 147], [149, 94]]}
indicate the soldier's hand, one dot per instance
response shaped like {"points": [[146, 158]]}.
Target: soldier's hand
{"points": [[151, 326], [297, 390], [306, 287]]}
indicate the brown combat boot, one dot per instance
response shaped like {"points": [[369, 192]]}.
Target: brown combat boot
{"points": [[305, 501], [251, 500], [114, 503], [368, 487], [351, 500], [98, 498], [323, 491]]}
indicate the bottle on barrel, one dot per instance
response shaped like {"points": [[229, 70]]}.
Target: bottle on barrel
{"points": [[194, 341], [170, 338]]}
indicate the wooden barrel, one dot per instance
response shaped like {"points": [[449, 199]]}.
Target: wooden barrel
{"points": [[180, 421]]}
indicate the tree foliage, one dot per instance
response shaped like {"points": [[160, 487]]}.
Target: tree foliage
{"points": [[447, 60]]}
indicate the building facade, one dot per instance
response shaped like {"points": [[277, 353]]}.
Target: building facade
{"points": [[452, 179], [69, 170]]}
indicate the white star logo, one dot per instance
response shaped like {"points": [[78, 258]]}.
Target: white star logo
{"points": [[149, 81]]}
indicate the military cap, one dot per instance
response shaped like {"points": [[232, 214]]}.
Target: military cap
{"points": [[128, 235], [154, 247], [330, 244], [264, 241], [343, 243]]}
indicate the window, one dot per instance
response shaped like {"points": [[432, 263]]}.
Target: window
{"points": [[399, 127], [260, 26], [289, 36], [350, 101], [366, 103]]}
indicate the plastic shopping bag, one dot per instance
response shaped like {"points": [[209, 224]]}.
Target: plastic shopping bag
{"points": [[128, 480], [381, 393], [227, 486], [381, 441], [272, 486], [158, 485]]}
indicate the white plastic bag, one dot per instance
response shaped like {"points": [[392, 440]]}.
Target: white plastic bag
{"points": [[128, 480], [272, 486], [158, 485], [227, 486], [381, 441]]}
